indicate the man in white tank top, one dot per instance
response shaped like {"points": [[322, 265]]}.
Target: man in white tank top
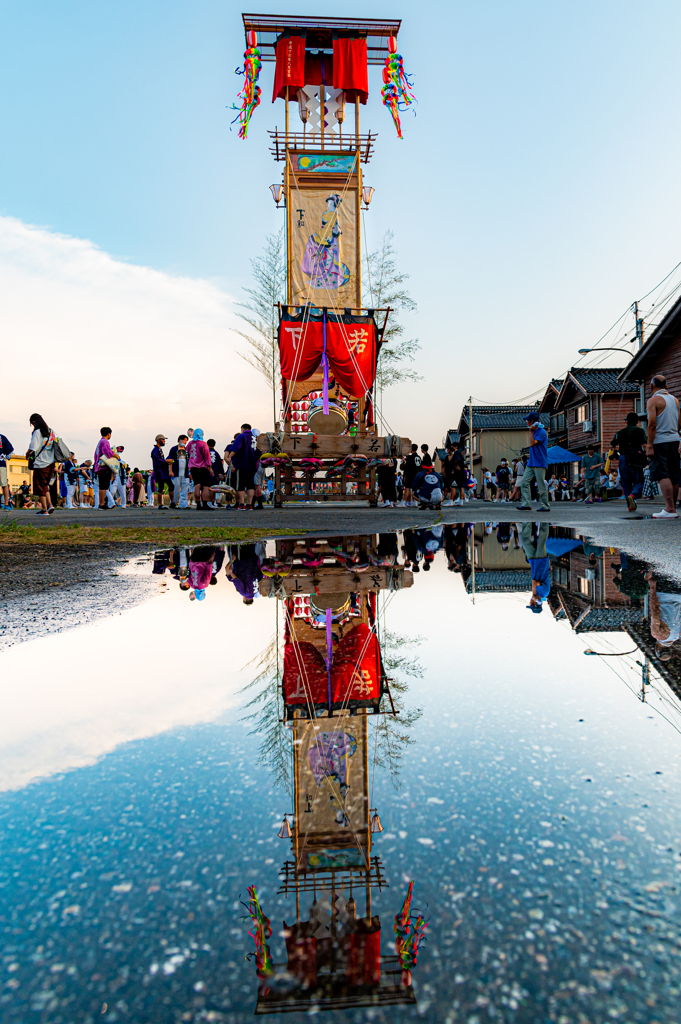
{"points": [[664, 444]]}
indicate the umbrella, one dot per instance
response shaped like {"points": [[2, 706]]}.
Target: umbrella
{"points": [[558, 454], [558, 546]]}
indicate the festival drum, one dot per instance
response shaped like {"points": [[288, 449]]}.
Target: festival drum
{"points": [[335, 423]]}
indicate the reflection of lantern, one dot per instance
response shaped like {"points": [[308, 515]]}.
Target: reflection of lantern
{"points": [[376, 822], [285, 830]]}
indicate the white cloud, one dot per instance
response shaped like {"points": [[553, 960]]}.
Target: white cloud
{"points": [[88, 340]]}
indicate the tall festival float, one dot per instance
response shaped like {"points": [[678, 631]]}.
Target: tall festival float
{"points": [[327, 442]]}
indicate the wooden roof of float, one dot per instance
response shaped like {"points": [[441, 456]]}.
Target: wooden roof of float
{"points": [[320, 32]]}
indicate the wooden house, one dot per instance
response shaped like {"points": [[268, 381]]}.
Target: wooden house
{"points": [[499, 432], [660, 354], [595, 403]]}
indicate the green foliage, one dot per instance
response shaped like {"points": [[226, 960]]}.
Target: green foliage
{"points": [[386, 288], [260, 310]]}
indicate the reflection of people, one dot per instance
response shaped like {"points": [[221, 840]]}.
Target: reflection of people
{"points": [[534, 546], [665, 616], [244, 571], [321, 259]]}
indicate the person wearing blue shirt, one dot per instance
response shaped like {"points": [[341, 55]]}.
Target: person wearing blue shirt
{"points": [[536, 465], [534, 546]]}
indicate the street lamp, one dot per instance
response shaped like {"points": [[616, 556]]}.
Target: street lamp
{"points": [[615, 654], [585, 351]]}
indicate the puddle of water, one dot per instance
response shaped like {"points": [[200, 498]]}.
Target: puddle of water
{"points": [[151, 760]]}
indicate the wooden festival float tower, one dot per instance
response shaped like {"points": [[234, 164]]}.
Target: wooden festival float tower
{"points": [[333, 682], [329, 341]]}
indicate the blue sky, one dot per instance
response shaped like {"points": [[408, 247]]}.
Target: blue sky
{"points": [[535, 194]]}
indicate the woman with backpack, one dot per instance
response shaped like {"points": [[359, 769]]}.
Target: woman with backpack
{"points": [[41, 459]]}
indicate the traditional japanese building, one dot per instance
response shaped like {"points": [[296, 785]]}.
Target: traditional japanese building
{"points": [[595, 403], [660, 354]]}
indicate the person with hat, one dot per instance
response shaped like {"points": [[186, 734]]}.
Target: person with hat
{"points": [[162, 472], [536, 467]]}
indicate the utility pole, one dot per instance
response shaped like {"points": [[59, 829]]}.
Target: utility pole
{"points": [[470, 433], [640, 337], [645, 677]]}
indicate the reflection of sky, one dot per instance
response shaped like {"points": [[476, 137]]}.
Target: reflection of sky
{"points": [[72, 697], [543, 843]]}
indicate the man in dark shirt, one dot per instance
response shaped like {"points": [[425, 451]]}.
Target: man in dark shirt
{"points": [[450, 465], [217, 468], [503, 480], [244, 458], [6, 450], [162, 472], [630, 442], [426, 460], [410, 467]]}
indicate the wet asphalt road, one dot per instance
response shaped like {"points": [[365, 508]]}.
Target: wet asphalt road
{"points": [[358, 518]]}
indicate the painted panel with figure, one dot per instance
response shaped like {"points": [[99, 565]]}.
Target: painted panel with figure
{"points": [[324, 247]]}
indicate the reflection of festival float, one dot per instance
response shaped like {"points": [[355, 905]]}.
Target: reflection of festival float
{"points": [[333, 680], [329, 341]]}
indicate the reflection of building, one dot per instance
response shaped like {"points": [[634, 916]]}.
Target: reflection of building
{"points": [[584, 587], [333, 680], [500, 563]]}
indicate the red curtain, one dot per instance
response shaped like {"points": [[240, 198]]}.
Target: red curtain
{"points": [[350, 68], [351, 349], [313, 69], [290, 66], [355, 671]]}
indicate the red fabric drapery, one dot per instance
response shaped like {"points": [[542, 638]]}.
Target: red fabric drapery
{"points": [[351, 348], [316, 72], [290, 67], [355, 671], [350, 68]]}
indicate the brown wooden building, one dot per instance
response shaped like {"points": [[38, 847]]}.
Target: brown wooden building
{"points": [[660, 354], [557, 429], [595, 403]]}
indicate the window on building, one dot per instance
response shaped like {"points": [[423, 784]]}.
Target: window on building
{"points": [[582, 413], [585, 586], [558, 421]]}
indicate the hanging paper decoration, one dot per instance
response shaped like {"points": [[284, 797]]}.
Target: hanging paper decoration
{"points": [[409, 932], [262, 931], [250, 93], [397, 91]]}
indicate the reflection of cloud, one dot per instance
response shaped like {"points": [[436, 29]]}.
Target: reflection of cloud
{"points": [[71, 698], [142, 339]]}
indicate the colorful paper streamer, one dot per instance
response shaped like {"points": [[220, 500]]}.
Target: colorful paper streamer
{"points": [[250, 93], [397, 92]]}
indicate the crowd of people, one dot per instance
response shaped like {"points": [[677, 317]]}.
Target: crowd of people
{"points": [[192, 473]]}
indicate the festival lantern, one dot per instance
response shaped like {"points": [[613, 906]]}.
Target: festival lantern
{"points": [[397, 90]]}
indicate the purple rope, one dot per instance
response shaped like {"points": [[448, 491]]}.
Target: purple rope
{"points": [[325, 368], [329, 652]]}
